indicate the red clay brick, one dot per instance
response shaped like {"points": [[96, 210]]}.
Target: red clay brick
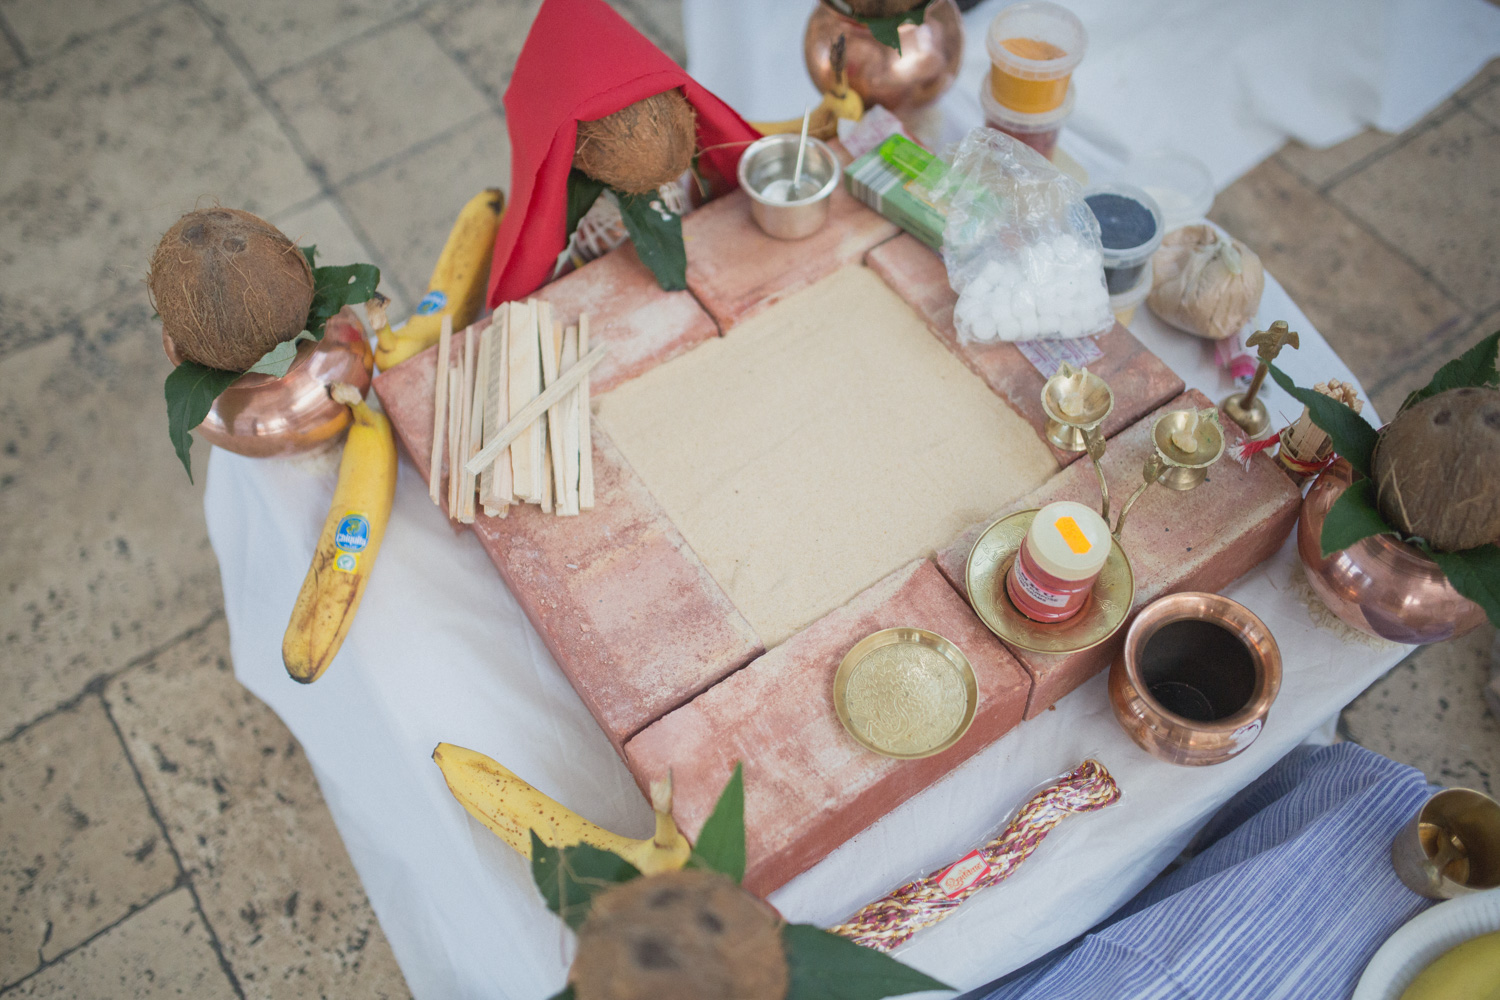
{"points": [[808, 786], [1139, 379], [1201, 539], [736, 270], [631, 615], [642, 324]]}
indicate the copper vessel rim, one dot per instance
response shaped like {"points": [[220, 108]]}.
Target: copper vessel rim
{"points": [[1179, 607]]}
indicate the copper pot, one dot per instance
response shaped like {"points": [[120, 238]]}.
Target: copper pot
{"points": [[913, 78], [1380, 585], [1195, 679], [261, 416]]}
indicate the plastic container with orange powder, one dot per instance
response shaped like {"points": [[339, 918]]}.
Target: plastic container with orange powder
{"points": [[1034, 48], [1060, 558], [1037, 131]]}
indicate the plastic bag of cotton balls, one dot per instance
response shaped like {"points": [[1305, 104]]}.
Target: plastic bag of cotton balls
{"points": [[1020, 245]]}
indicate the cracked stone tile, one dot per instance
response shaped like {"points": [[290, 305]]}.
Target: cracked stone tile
{"points": [[79, 848], [275, 34], [375, 98], [105, 148], [104, 553], [9, 58], [1437, 198], [44, 26], [163, 951], [1430, 712], [1375, 309], [408, 207], [242, 805]]}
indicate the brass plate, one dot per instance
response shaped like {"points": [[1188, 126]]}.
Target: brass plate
{"points": [[905, 693], [990, 560]]}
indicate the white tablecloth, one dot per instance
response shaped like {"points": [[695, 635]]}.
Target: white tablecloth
{"points": [[440, 651]]}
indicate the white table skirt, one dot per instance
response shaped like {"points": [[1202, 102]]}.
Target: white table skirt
{"points": [[440, 651]]}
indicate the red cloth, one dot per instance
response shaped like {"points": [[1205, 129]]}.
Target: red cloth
{"points": [[582, 61]]}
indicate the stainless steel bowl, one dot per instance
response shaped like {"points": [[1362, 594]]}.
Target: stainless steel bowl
{"points": [[773, 159]]}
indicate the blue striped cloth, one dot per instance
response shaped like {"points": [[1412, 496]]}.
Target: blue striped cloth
{"points": [[1290, 898]]}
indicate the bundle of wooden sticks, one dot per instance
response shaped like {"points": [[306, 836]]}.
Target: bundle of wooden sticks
{"points": [[513, 407]]}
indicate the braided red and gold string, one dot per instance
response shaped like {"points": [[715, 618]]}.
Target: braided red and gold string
{"points": [[890, 922]]}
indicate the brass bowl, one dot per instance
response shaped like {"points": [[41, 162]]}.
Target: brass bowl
{"points": [[909, 80], [263, 417], [1186, 470], [1195, 679], [1095, 402], [1379, 585], [905, 693]]}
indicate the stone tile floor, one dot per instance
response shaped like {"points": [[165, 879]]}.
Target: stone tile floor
{"points": [[160, 832]]}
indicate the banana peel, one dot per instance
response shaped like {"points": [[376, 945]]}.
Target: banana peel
{"points": [[513, 810]]}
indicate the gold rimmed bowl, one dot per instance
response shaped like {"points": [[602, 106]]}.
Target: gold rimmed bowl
{"points": [[990, 560], [1186, 469], [905, 693], [1075, 401]]}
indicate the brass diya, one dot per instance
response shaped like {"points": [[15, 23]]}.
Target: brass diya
{"points": [[984, 576], [1195, 678], [1075, 401], [1188, 441], [905, 693]]}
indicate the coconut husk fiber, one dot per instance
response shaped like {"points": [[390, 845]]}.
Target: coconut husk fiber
{"points": [[683, 935], [229, 287], [640, 147], [1437, 469]]}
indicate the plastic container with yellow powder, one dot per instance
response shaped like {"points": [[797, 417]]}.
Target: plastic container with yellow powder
{"points": [[1034, 48], [1059, 561]]}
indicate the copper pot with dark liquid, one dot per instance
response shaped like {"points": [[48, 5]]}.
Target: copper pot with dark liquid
{"points": [[1195, 679]]}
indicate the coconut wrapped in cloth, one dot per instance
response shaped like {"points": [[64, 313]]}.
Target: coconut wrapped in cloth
{"points": [[229, 287], [582, 62]]}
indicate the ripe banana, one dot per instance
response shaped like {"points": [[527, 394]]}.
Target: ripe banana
{"points": [[1469, 971], [840, 101], [346, 550], [510, 807], [457, 286]]}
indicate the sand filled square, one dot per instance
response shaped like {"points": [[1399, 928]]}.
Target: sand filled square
{"points": [[820, 446]]}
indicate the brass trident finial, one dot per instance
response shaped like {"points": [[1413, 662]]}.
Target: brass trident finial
{"points": [[1243, 407]]}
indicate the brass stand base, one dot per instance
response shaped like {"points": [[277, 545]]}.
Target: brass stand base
{"points": [[1254, 420], [1065, 436], [1176, 478]]}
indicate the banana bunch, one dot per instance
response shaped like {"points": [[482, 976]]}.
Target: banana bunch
{"points": [[511, 808], [458, 283], [1470, 971], [350, 541], [840, 101]]}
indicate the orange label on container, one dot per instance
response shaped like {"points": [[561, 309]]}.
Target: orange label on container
{"points": [[1073, 535]]}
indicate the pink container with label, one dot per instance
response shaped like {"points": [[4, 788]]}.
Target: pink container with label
{"points": [[1039, 131], [1062, 555]]}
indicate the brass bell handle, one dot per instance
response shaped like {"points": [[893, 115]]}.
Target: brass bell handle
{"points": [[1153, 470]]}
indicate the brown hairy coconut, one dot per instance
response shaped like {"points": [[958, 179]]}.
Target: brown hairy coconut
{"points": [[1437, 469], [640, 147], [229, 287], [682, 935], [881, 8]]}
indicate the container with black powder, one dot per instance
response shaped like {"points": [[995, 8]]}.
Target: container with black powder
{"points": [[1130, 229]]}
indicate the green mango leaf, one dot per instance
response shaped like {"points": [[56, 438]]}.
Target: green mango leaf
{"points": [[1353, 437], [1474, 367], [311, 254], [336, 287], [583, 191], [657, 234], [885, 28], [1475, 573], [569, 877], [721, 842], [191, 389], [824, 966], [278, 360], [566, 994], [1353, 516]]}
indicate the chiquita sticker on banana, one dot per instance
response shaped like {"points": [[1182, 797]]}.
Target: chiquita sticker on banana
{"points": [[351, 538]]}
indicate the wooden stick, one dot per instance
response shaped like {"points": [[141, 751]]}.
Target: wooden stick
{"points": [[455, 472], [555, 429], [546, 346], [485, 385], [525, 383], [466, 479], [585, 431], [526, 415], [475, 418], [494, 481], [439, 409], [570, 427]]}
